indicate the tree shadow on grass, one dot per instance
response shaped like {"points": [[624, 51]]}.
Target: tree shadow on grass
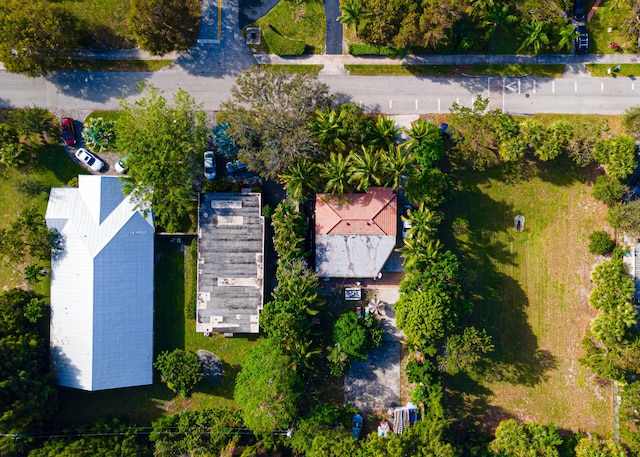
{"points": [[169, 319]]}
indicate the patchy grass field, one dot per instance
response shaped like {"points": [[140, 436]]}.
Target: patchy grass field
{"points": [[102, 22], [530, 291], [611, 14]]}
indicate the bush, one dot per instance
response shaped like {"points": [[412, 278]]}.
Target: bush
{"points": [[99, 134], [600, 243], [180, 370], [608, 190], [368, 49], [282, 45]]}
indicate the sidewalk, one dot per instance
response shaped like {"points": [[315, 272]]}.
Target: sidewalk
{"points": [[347, 59]]}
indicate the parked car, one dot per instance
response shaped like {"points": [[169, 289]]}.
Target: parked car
{"points": [[357, 426], [209, 165], [121, 165], [68, 131], [582, 40], [578, 10], [235, 166], [89, 159]]}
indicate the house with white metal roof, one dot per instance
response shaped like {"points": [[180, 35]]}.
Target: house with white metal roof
{"points": [[101, 287]]}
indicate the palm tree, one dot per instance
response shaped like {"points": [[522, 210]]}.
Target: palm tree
{"points": [[299, 178], [567, 34], [365, 168], [424, 223], [418, 252], [398, 164], [383, 133], [535, 36], [498, 17], [328, 126], [352, 13], [337, 172], [302, 355]]}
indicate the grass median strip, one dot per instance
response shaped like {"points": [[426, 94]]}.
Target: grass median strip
{"points": [[117, 65], [297, 69], [625, 69], [544, 71]]}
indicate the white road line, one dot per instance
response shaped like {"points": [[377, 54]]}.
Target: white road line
{"points": [[390, 103], [472, 100], [416, 104], [534, 86], [553, 87], [518, 87], [602, 86], [438, 105], [458, 100], [575, 86], [633, 86]]}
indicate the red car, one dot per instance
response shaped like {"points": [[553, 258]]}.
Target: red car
{"points": [[68, 131]]}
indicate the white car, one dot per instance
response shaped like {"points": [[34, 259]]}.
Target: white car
{"points": [[89, 159], [209, 165]]}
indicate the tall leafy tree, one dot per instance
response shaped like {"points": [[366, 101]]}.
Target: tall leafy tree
{"points": [[352, 14], [567, 34], [465, 350], [337, 173], [618, 154], [180, 370], [398, 166], [366, 168], [499, 17], [329, 128], [383, 133], [300, 179], [631, 121], [425, 143], [268, 114], [164, 26], [267, 389], [36, 37], [164, 142], [535, 37]]}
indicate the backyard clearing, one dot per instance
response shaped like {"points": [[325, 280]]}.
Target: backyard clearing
{"points": [[375, 383], [530, 291]]}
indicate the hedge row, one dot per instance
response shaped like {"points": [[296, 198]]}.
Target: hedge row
{"points": [[282, 45], [368, 49]]}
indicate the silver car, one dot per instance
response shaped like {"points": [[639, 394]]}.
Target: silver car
{"points": [[209, 165], [89, 159]]}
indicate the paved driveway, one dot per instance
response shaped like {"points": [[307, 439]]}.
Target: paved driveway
{"points": [[375, 383]]}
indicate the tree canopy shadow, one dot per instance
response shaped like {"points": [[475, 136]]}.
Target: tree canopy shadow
{"points": [[99, 87]]}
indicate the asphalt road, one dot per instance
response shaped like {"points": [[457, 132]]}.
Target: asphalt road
{"points": [[381, 94]]}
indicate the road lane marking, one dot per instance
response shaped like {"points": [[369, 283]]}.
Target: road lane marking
{"points": [[518, 87], [602, 86], [458, 100], [511, 86], [416, 104], [438, 105], [534, 86], [553, 87], [575, 86], [219, 19], [390, 103], [633, 86]]}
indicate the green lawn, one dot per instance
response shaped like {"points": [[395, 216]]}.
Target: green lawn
{"points": [[102, 22], [545, 71], [304, 22], [530, 292], [297, 69], [117, 65], [611, 14], [630, 70]]}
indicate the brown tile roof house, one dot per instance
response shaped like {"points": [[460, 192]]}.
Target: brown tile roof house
{"points": [[355, 233], [230, 263]]}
